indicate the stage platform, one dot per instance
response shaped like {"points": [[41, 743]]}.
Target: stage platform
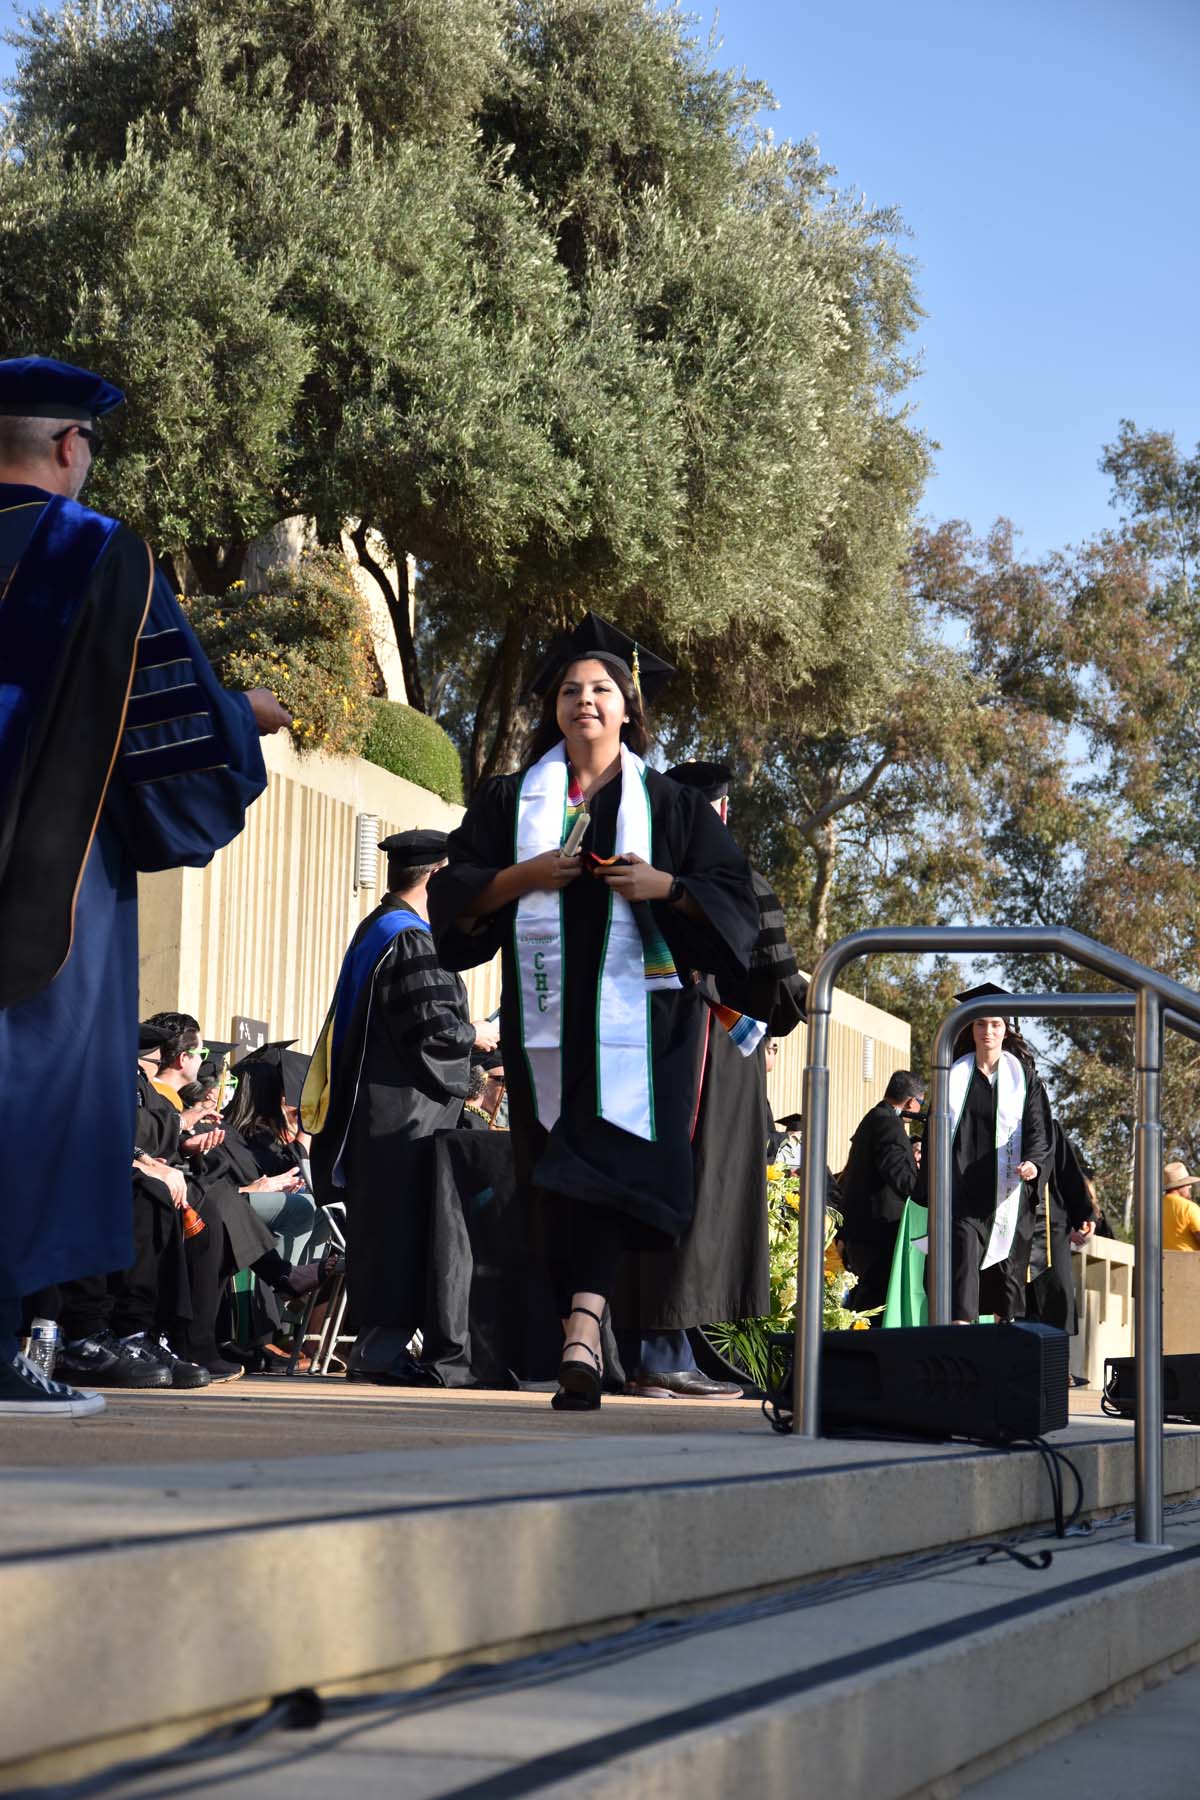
{"points": [[755, 1614]]}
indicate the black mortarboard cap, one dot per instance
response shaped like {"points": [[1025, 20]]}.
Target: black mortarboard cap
{"points": [[291, 1064], [152, 1037], [488, 1060], [983, 990], [712, 778], [791, 1121], [210, 1068], [594, 636], [38, 387], [414, 849]]}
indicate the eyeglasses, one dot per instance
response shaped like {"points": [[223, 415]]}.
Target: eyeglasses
{"points": [[94, 441], [200, 1050]]}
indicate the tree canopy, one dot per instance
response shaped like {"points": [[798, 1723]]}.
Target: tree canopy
{"points": [[525, 288]]}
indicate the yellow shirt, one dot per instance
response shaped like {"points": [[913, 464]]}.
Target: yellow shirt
{"points": [[1181, 1223]]}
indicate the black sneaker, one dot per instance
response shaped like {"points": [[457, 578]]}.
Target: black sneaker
{"points": [[184, 1374], [104, 1361], [25, 1391]]}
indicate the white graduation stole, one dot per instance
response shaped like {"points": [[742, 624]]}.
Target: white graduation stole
{"points": [[1011, 1088], [624, 1075]]}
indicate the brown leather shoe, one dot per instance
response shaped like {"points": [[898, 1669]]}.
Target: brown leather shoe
{"points": [[681, 1384]]}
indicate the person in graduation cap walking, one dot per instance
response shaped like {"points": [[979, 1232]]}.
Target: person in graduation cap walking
{"points": [[391, 1067], [604, 885], [119, 752], [1001, 1153]]}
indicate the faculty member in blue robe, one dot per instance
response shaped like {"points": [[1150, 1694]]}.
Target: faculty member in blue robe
{"points": [[119, 752]]}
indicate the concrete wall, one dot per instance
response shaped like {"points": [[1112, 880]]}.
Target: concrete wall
{"points": [[262, 930], [857, 1075]]}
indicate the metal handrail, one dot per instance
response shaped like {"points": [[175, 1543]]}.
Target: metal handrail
{"points": [[1154, 994]]}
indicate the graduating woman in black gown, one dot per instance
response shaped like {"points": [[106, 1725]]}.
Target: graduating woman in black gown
{"points": [[1001, 1156], [601, 1023]]}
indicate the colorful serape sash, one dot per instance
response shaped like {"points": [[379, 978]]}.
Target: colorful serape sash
{"points": [[747, 1033], [358, 967]]}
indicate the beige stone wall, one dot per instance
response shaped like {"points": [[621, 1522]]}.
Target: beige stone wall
{"points": [[851, 1088], [262, 930]]}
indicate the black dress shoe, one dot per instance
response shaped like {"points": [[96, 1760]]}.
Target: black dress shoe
{"points": [[403, 1371], [682, 1384]]}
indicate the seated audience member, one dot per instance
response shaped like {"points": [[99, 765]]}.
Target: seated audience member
{"points": [[1181, 1214], [221, 1171], [115, 1328], [262, 1133], [485, 1093], [787, 1148]]}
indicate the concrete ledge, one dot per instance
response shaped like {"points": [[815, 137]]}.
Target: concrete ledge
{"points": [[444, 1577]]}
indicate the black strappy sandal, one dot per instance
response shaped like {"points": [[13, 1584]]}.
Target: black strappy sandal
{"points": [[579, 1382]]}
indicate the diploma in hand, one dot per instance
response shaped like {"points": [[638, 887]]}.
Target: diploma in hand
{"points": [[576, 833]]}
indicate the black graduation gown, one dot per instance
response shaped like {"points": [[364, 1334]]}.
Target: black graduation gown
{"points": [[650, 1181], [1001, 1288], [879, 1177], [721, 1268], [490, 1315], [221, 1174], [401, 1074], [1065, 1204], [156, 1131]]}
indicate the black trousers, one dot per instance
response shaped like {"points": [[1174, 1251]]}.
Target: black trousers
{"points": [[869, 1256], [999, 1290], [196, 1338]]}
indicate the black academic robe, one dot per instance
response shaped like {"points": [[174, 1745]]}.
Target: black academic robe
{"points": [[721, 1269], [401, 1073], [490, 1317], [583, 1155], [221, 1174], [879, 1177], [1064, 1205], [156, 1131], [999, 1289]]}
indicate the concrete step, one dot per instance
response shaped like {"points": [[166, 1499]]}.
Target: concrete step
{"points": [[254, 1577], [890, 1689]]}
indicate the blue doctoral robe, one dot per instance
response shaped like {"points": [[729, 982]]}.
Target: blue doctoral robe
{"points": [[188, 764]]}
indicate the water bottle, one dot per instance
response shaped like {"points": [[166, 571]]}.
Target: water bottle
{"points": [[44, 1342]]}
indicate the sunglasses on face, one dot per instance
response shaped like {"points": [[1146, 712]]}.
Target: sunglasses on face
{"points": [[94, 440]]}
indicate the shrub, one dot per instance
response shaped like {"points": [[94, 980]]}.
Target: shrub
{"points": [[411, 744], [306, 636], [746, 1342]]}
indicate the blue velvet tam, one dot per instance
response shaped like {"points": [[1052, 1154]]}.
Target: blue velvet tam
{"points": [[37, 387]]}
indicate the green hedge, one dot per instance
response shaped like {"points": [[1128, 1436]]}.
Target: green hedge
{"points": [[413, 745]]}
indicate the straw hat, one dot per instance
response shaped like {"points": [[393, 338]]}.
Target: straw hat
{"points": [[1175, 1175]]}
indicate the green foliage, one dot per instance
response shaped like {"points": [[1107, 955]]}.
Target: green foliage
{"points": [[413, 745], [305, 636], [746, 1342], [520, 285]]}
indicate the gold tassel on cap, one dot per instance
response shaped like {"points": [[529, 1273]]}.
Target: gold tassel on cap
{"points": [[635, 669]]}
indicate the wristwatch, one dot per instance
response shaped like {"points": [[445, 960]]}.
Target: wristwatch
{"points": [[676, 892]]}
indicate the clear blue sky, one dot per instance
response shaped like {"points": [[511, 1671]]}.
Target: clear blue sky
{"points": [[1044, 155]]}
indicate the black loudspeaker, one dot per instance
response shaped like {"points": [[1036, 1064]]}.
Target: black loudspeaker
{"points": [[1181, 1387], [995, 1382]]}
